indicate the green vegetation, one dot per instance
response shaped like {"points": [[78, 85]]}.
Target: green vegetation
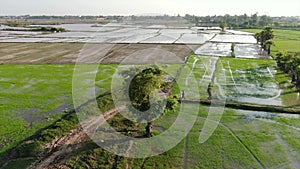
{"points": [[49, 29], [141, 89], [264, 38], [15, 24], [35, 104], [30, 28], [257, 79], [21, 163], [232, 50], [244, 139], [38, 29], [34, 96], [202, 68], [290, 64], [285, 50], [223, 26], [283, 40]]}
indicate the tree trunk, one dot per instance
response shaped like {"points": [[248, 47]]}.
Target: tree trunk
{"points": [[149, 129], [293, 77]]}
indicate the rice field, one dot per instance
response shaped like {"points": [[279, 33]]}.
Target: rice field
{"points": [[34, 96]]}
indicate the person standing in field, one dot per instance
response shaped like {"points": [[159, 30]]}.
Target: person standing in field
{"points": [[182, 95]]}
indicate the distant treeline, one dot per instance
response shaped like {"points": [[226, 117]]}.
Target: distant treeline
{"points": [[234, 21], [16, 26], [247, 21]]}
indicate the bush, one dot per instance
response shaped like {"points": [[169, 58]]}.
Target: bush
{"points": [[51, 29]]}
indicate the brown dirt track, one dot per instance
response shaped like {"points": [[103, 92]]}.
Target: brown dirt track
{"points": [[67, 53]]}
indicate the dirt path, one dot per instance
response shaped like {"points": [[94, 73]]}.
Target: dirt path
{"points": [[66, 53], [62, 147]]}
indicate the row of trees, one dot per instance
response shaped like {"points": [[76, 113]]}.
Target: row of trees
{"points": [[289, 63], [241, 21], [264, 38]]}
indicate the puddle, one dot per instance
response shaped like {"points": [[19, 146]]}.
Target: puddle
{"points": [[159, 128], [30, 116], [255, 100], [265, 115]]}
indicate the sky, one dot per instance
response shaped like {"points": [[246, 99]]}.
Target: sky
{"points": [[141, 7]]}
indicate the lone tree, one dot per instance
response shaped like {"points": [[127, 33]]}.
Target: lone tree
{"points": [[264, 38], [223, 26], [233, 49], [145, 93]]}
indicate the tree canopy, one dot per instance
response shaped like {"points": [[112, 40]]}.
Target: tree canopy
{"points": [[289, 63], [223, 26], [264, 38], [146, 92]]}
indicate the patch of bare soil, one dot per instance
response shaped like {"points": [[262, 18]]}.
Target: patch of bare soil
{"points": [[65, 53], [62, 148]]}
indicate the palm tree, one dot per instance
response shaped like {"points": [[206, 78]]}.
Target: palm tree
{"points": [[257, 37], [264, 38], [268, 45]]}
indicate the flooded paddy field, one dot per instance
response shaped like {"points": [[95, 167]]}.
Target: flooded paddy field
{"points": [[242, 80], [227, 38], [194, 38], [257, 81], [111, 33], [36, 90], [202, 69], [224, 49], [214, 49]]}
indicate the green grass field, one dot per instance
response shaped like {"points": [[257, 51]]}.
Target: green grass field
{"points": [[243, 139], [34, 96], [288, 40]]}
